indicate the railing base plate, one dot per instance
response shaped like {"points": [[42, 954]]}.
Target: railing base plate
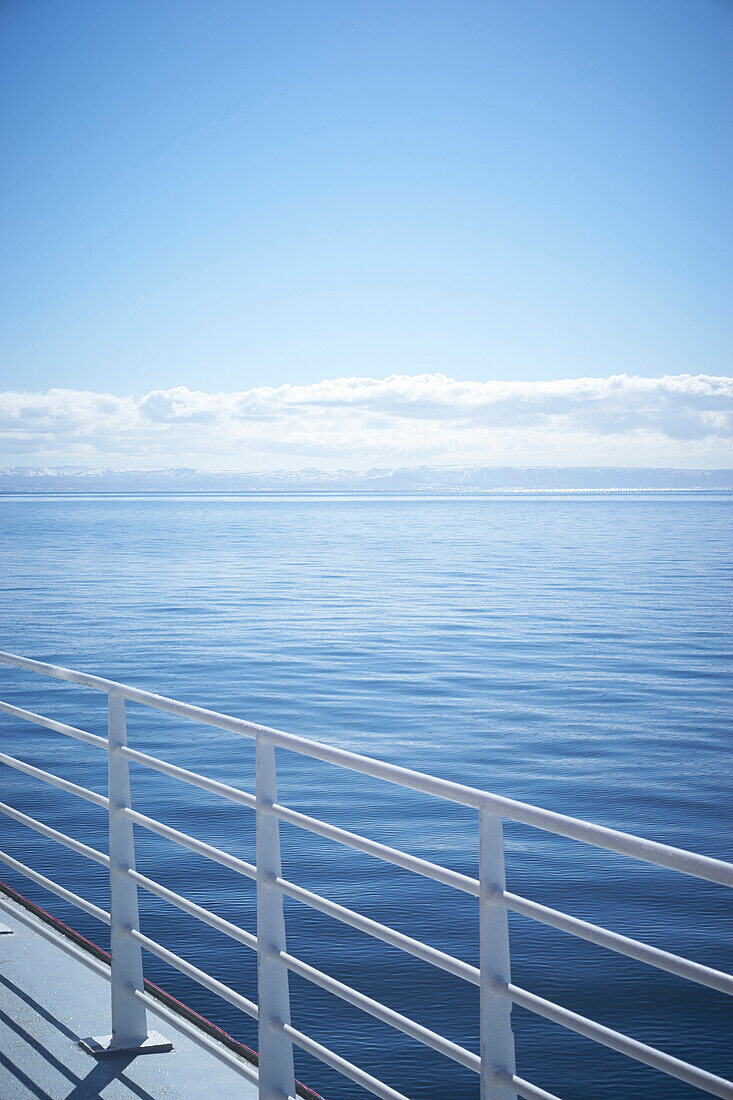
{"points": [[104, 1047]]}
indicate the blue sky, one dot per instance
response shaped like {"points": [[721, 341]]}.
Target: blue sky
{"points": [[227, 196]]}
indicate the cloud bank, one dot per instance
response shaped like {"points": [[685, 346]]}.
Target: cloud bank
{"points": [[623, 420]]}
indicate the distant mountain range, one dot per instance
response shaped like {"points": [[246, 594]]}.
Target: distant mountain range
{"points": [[414, 479]]}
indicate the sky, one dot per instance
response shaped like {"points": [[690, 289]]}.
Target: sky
{"points": [[245, 234]]}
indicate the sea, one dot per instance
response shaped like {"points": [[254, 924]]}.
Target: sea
{"points": [[568, 650]]}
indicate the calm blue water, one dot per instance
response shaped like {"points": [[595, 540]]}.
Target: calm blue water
{"points": [[571, 651]]}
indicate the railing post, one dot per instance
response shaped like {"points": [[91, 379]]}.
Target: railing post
{"points": [[497, 1040], [276, 1074], [129, 1018]]}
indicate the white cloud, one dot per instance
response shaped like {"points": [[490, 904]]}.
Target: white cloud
{"points": [[622, 420]]}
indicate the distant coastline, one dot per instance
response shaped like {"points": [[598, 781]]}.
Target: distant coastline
{"points": [[422, 479]]}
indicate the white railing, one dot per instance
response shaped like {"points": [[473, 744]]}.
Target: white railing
{"points": [[495, 1064]]}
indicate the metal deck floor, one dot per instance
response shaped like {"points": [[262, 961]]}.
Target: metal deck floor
{"points": [[48, 1001]]}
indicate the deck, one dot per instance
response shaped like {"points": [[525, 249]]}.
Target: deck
{"points": [[49, 1001]]}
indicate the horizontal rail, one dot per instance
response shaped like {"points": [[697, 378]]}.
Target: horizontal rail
{"points": [[376, 1009], [52, 724], [192, 1032], [341, 1065], [194, 910], [661, 855], [55, 780], [381, 932], [524, 1088], [55, 888], [381, 1012], [593, 933], [54, 834], [624, 945], [621, 945], [196, 975], [615, 1040], [199, 846], [196, 780], [381, 851]]}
